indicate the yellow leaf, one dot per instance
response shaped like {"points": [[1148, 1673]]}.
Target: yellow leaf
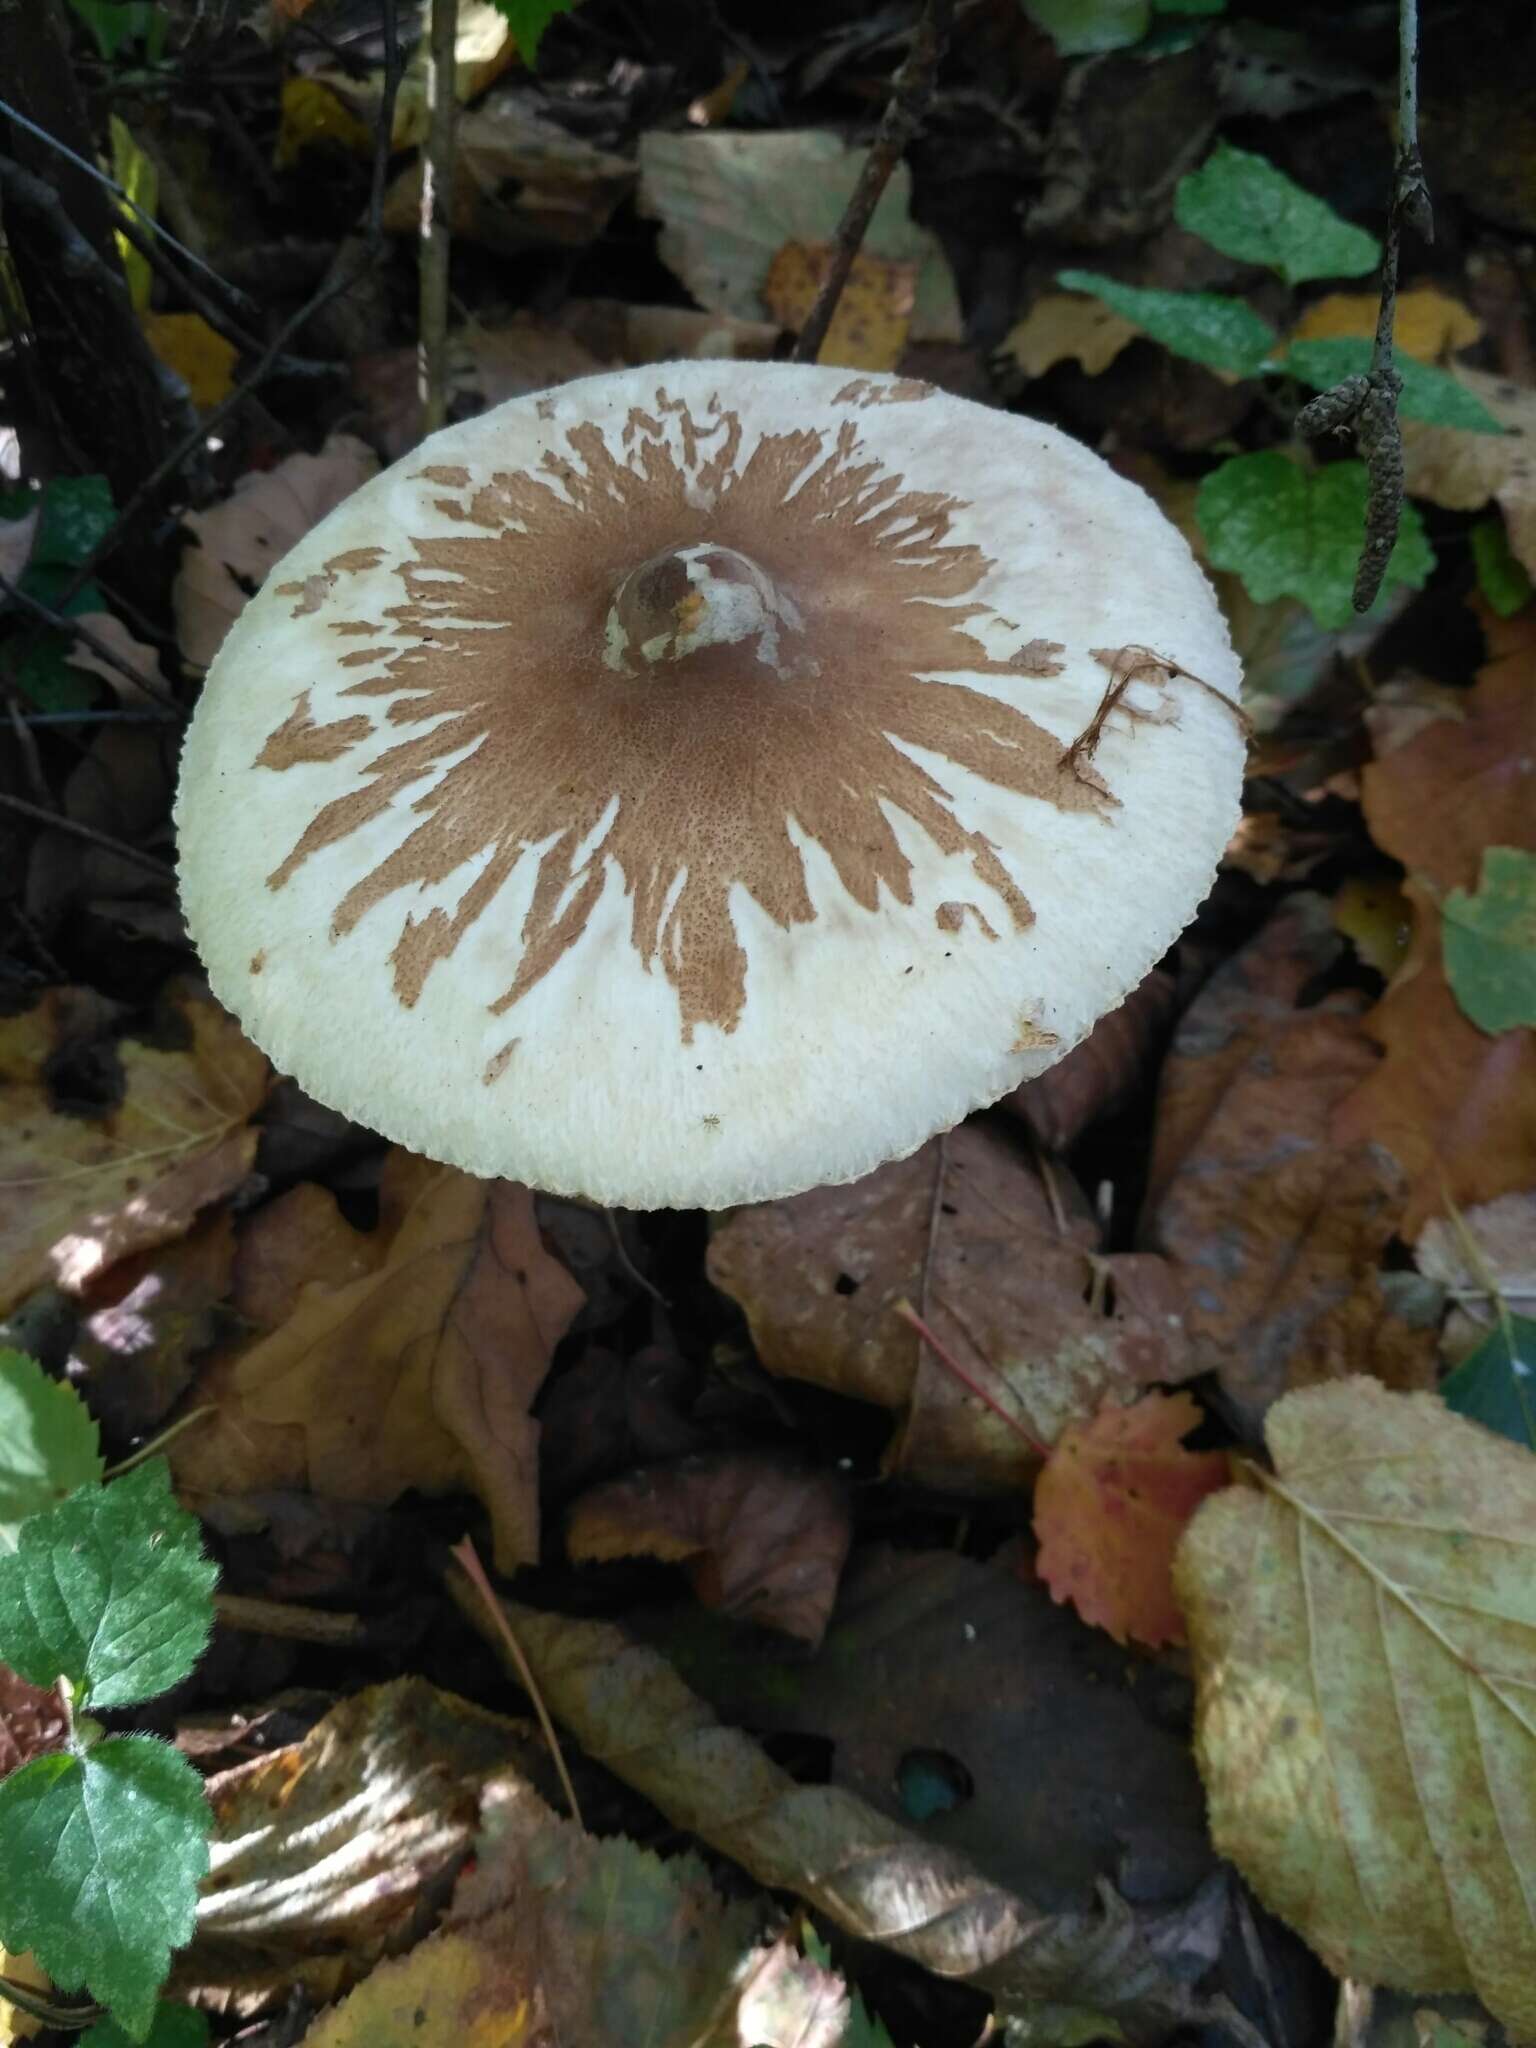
{"points": [[456, 1986], [869, 328], [1364, 1632], [1373, 912], [483, 50], [311, 113], [1065, 325], [137, 175], [1428, 324], [202, 359]]}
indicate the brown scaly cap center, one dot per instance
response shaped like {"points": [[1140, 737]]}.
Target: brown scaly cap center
{"points": [[688, 598]]}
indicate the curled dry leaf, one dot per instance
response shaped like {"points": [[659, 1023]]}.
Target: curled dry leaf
{"points": [[240, 540], [419, 1373], [334, 1850], [1099, 1075], [1365, 1651], [1116, 1495], [871, 322], [1005, 1268], [78, 1192], [1278, 1224], [763, 1539], [1463, 471]]}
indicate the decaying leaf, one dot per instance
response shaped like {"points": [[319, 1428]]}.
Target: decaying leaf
{"points": [[1067, 327], [147, 1317], [80, 1191], [31, 1720], [240, 540], [1115, 1497], [486, 366], [1099, 1075], [1005, 1269], [622, 333], [870, 325], [1487, 1251], [137, 655], [1463, 471], [419, 1373], [1365, 1654], [1279, 1224], [764, 1540]]}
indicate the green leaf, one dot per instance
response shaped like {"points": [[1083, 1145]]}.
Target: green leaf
{"points": [[1496, 1383], [77, 513], [103, 1855], [174, 2026], [1081, 28], [1428, 394], [111, 1591], [1244, 206], [49, 1443], [1293, 532], [1222, 333], [529, 19], [1490, 942], [115, 23], [863, 2029], [1501, 576]]}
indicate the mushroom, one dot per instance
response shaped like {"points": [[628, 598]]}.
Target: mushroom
{"points": [[693, 784]]}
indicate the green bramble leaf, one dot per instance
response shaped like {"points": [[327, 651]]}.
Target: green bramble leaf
{"points": [[1496, 1384], [529, 19], [49, 1444], [1490, 942], [110, 1591], [1428, 394], [1293, 532], [104, 1850], [1501, 576], [174, 2026], [1241, 204], [1222, 333]]}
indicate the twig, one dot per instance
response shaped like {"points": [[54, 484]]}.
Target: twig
{"points": [[1368, 403], [468, 1560], [41, 815], [902, 119], [293, 1623], [437, 216], [909, 1314], [76, 630], [222, 323], [68, 2018]]}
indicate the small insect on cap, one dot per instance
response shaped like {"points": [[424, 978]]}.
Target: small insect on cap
{"points": [[701, 782]]}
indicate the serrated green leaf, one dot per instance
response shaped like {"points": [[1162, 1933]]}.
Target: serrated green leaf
{"points": [[529, 19], [1293, 532], [1428, 394], [103, 1856], [49, 1443], [110, 1590], [1243, 205], [174, 2026], [1502, 577], [1496, 1384], [1082, 28], [1490, 942], [1222, 333]]}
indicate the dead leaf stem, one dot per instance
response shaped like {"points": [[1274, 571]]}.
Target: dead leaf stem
{"points": [[41, 815]]}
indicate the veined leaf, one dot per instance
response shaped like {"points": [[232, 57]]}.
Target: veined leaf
{"points": [[1490, 942], [1222, 333], [1243, 205], [48, 1444], [1364, 1633], [1496, 1383]]}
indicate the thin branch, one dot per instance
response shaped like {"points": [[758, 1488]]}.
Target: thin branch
{"points": [[76, 630], [437, 216], [901, 121], [293, 1623], [216, 317], [1368, 404], [41, 815]]}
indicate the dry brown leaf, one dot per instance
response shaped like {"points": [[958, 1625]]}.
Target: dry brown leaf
{"points": [[417, 1374], [147, 1318], [241, 539], [619, 332], [486, 366], [300, 1238], [1279, 1225], [31, 1720], [1067, 327], [1427, 323], [764, 1540], [967, 1230], [1481, 1257], [78, 1192], [1098, 1076], [136, 654], [1463, 471], [873, 317]]}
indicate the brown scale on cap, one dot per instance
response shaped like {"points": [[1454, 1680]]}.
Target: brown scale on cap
{"points": [[796, 603]]}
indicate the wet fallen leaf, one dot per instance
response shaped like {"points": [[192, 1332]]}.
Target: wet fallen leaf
{"points": [[1364, 1658], [1463, 471], [199, 355], [1278, 1224], [870, 324], [31, 1720], [147, 1317], [764, 1540], [417, 1374], [1427, 323], [1100, 1075], [1004, 1268], [240, 540], [335, 1850], [80, 1191], [1067, 327]]}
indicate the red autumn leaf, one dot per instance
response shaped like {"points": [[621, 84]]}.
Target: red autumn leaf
{"points": [[1110, 1507]]}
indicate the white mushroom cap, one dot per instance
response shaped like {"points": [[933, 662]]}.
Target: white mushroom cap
{"points": [[664, 789]]}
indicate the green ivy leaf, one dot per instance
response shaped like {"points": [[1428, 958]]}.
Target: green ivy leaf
{"points": [[1428, 394], [103, 1855], [529, 19], [1293, 532], [1501, 576], [1222, 333], [1244, 206], [110, 1590], [174, 2026], [1490, 942], [49, 1443], [1496, 1383]]}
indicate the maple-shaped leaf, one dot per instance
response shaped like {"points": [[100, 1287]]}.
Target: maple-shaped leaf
{"points": [[48, 1443], [1111, 1504]]}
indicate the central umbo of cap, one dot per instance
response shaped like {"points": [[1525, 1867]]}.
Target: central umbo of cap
{"points": [[697, 783]]}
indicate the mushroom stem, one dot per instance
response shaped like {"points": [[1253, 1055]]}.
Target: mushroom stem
{"points": [[688, 598]]}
